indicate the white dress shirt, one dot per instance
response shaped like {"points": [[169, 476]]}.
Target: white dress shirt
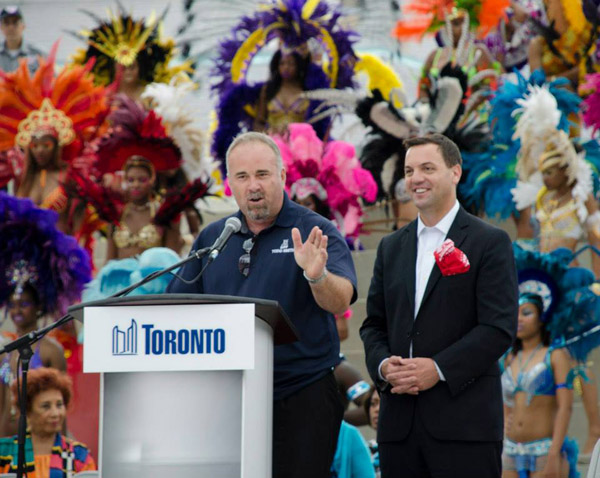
{"points": [[428, 240]]}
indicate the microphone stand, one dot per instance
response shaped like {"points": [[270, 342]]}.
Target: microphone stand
{"points": [[25, 354], [23, 346]]}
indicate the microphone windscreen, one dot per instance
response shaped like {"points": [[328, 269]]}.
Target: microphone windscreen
{"points": [[234, 223]]}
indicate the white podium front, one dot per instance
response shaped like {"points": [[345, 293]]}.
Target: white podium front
{"points": [[186, 383]]}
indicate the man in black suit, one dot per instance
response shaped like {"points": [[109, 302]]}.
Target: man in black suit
{"points": [[433, 340]]}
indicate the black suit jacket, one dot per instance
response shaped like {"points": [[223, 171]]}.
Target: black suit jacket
{"points": [[465, 323]]}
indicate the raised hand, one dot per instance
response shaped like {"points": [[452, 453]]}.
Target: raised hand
{"points": [[311, 256]]}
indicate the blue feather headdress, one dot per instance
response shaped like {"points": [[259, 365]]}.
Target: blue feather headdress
{"points": [[492, 173], [569, 295], [118, 274], [35, 252]]}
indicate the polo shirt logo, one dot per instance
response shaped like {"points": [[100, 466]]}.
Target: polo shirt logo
{"points": [[283, 248]]}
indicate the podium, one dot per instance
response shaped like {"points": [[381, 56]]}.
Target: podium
{"points": [[186, 385]]}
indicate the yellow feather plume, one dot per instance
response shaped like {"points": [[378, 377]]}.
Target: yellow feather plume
{"points": [[381, 76], [573, 11], [309, 8], [332, 52], [238, 64]]}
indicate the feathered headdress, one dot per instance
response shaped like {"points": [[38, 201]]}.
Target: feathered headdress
{"points": [[135, 131], [331, 171], [429, 15], [35, 252], [544, 142], [591, 104], [293, 23], [118, 274], [172, 103], [492, 178], [570, 305], [67, 106], [382, 81], [538, 123], [122, 40]]}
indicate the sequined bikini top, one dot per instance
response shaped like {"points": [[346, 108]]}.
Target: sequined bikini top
{"points": [[538, 380], [280, 116], [557, 221], [147, 237]]}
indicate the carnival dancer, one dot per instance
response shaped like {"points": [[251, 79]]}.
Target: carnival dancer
{"points": [[560, 182], [136, 231], [564, 202], [456, 83], [493, 173], [390, 120], [44, 272], [137, 146], [45, 121], [315, 51], [558, 319]]}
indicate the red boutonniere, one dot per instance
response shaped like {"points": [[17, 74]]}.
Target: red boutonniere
{"points": [[450, 259]]}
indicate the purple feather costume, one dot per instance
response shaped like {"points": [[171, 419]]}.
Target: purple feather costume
{"points": [[286, 21]]}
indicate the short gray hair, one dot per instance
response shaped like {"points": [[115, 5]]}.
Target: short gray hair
{"points": [[254, 137]]}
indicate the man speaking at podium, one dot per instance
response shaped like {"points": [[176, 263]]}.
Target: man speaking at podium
{"points": [[287, 253]]}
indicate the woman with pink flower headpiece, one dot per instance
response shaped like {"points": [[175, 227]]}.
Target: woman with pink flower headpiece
{"points": [[327, 178]]}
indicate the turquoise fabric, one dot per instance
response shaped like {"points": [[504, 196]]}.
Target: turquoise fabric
{"points": [[352, 458]]}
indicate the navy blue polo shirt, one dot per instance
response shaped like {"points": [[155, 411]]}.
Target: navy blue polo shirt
{"points": [[275, 275]]}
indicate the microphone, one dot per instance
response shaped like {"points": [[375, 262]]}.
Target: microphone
{"points": [[232, 225]]}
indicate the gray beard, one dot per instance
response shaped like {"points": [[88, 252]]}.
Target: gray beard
{"points": [[258, 214]]}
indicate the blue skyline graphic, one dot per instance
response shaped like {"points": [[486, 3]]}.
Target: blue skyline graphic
{"points": [[125, 342]]}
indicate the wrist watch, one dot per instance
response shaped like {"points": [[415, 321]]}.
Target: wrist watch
{"points": [[318, 279]]}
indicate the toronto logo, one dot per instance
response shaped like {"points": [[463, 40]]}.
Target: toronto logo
{"points": [[155, 341], [125, 342]]}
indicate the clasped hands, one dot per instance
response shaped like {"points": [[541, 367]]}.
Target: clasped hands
{"points": [[409, 375]]}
